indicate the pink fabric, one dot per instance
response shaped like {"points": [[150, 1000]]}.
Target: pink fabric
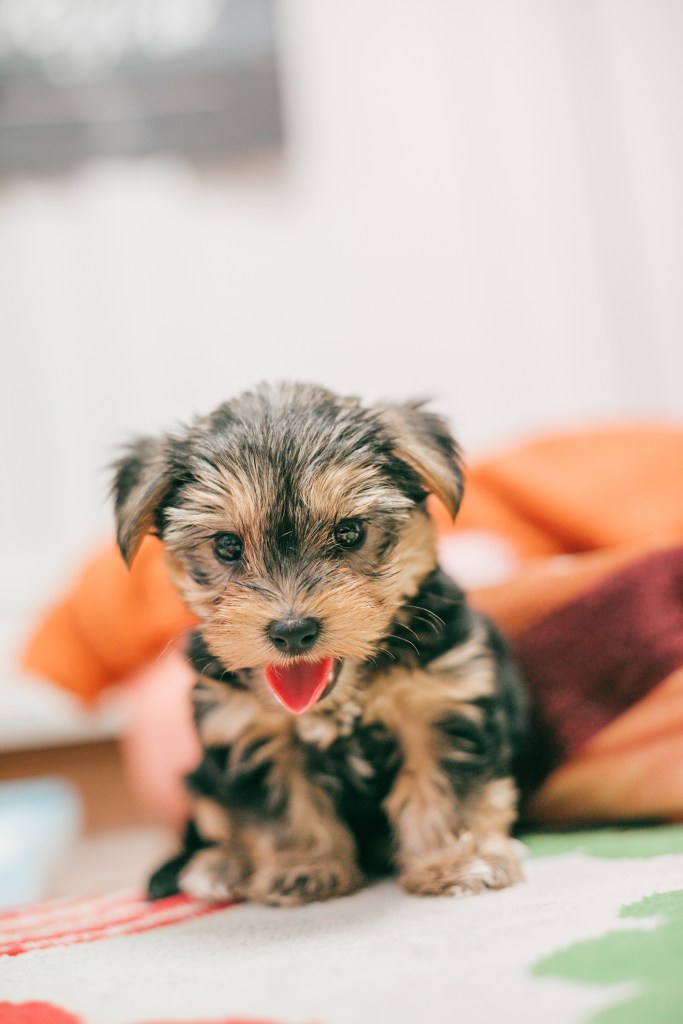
{"points": [[160, 744]]}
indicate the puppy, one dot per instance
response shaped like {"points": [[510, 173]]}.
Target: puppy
{"points": [[355, 715]]}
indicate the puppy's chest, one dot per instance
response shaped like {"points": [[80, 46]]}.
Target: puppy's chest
{"points": [[361, 766], [358, 763]]}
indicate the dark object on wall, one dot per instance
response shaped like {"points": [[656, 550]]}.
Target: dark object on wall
{"points": [[135, 77]]}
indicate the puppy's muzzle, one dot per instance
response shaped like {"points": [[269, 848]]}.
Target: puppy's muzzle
{"points": [[294, 636]]}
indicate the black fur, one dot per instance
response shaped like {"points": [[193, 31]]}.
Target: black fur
{"points": [[238, 786], [164, 881], [207, 665], [436, 619]]}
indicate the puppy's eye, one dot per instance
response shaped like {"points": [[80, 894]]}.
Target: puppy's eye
{"points": [[228, 547], [349, 534]]}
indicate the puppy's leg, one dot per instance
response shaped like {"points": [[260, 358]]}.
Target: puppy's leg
{"points": [[305, 853], [217, 872], [453, 801], [269, 834], [214, 875], [445, 847], [165, 881]]}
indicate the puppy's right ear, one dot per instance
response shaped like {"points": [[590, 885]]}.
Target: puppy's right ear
{"points": [[142, 478]]}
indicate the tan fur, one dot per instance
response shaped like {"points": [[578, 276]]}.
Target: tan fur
{"points": [[347, 493], [468, 866], [412, 559], [309, 854], [216, 875], [467, 669], [421, 807], [305, 853], [135, 517], [443, 846], [493, 808], [212, 821], [433, 468], [401, 697], [234, 713]]}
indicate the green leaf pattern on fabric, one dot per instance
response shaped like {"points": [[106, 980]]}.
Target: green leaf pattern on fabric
{"points": [[612, 843], [649, 958]]}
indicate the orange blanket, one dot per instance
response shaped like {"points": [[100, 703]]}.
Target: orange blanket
{"points": [[600, 500]]}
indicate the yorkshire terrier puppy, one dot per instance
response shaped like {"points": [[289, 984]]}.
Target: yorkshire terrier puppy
{"points": [[355, 715]]}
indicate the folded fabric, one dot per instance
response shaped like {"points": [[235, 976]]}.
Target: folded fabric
{"points": [[595, 611], [596, 656], [630, 771]]}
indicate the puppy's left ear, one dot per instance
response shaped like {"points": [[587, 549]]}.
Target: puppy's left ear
{"points": [[424, 442], [142, 479]]}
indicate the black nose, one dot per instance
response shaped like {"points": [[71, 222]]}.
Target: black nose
{"points": [[294, 636]]}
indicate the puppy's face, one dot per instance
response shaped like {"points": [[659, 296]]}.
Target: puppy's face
{"points": [[295, 525]]}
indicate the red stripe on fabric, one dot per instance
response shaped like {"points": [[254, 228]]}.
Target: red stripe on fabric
{"points": [[48, 1013], [35, 1013], [92, 927], [35, 925], [55, 907], [77, 917], [172, 910]]}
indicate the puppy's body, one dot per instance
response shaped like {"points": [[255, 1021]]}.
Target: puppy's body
{"points": [[403, 755]]}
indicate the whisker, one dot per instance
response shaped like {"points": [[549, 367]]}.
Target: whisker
{"points": [[427, 611], [403, 625], [382, 650], [173, 640], [427, 622], [402, 640]]}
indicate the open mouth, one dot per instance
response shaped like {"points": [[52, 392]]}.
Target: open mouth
{"points": [[301, 683]]}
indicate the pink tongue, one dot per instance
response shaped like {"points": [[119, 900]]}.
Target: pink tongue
{"points": [[299, 685]]}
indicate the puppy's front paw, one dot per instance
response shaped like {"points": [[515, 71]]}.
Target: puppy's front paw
{"points": [[292, 884], [215, 875], [467, 868]]}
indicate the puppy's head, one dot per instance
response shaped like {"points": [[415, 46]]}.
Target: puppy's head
{"points": [[295, 525]]}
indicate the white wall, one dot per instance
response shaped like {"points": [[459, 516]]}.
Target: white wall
{"points": [[480, 201]]}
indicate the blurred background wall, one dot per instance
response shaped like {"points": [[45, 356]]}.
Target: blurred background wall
{"points": [[478, 201]]}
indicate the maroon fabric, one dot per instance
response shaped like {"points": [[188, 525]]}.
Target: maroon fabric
{"points": [[590, 660]]}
